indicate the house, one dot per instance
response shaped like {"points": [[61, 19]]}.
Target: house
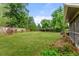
{"points": [[71, 13]]}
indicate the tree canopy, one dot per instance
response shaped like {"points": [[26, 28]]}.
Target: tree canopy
{"points": [[46, 23], [58, 21], [18, 15]]}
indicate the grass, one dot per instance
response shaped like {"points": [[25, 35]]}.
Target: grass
{"points": [[27, 43]]}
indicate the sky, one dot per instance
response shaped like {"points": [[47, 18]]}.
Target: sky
{"points": [[42, 10]]}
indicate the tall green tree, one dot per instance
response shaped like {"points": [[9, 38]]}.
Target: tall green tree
{"points": [[38, 26], [18, 15], [58, 21], [31, 23], [45, 24], [3, 19]]}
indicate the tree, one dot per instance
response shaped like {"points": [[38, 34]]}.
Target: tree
{"points": [[18, 15], [58, 21], [3, 20], [45, 23], [31, 23], [39, 26]]}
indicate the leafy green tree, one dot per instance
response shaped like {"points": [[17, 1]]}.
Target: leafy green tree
{"points": [[58, 21], [18, 15], [39, 26], [31, 23], [46, 24], [3, 20]]}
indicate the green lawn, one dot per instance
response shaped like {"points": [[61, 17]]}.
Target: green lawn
{"points": [[27, 43]]}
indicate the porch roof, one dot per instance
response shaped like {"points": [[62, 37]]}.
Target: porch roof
{"points": [[71, 11]]}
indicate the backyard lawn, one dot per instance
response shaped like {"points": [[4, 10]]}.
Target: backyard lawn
{"points": [[27, 43]]}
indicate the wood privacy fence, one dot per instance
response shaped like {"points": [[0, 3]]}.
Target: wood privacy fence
{"points": [[9, 30]]}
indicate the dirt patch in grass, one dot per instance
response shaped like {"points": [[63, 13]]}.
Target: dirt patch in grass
{"points": [[64, 41], [59, 43]]}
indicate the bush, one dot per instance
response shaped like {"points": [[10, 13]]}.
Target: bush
{"points": [[52, 52], [60, 51]]}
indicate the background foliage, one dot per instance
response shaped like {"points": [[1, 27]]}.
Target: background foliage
{"points": [[17, 15]]}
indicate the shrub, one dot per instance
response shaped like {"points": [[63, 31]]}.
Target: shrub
{"points": [[59, 51]]}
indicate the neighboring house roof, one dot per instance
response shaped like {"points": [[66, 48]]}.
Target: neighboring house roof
{"points": [[71, 10]]}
